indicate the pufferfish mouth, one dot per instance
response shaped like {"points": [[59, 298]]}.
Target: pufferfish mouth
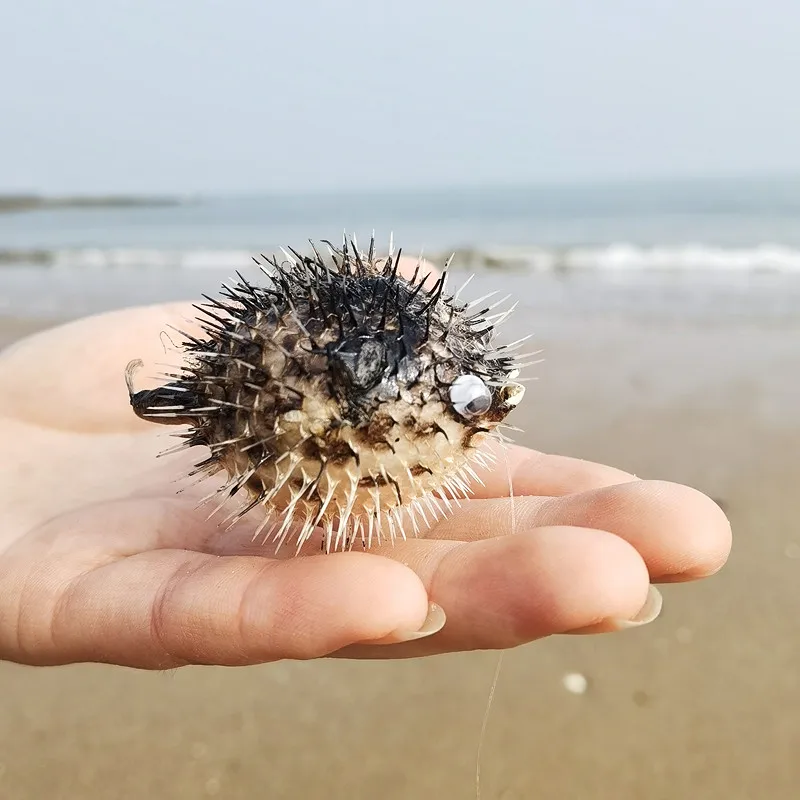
{"points": [[511, 394]]}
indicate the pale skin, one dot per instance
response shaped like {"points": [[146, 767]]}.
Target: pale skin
{"points": [[101, 560]]}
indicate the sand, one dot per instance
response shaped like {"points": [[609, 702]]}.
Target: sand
{"points": [[704, 703]]}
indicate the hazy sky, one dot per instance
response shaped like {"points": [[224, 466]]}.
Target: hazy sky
{"points": [[253, 95]]}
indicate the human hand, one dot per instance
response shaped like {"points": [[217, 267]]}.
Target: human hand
{"points": [[101, 560]]}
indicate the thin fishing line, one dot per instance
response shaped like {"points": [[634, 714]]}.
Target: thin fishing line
{"points": [[499, 666]]}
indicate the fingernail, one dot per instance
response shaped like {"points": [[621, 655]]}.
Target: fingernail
{"points": [[648, 612], [434, 622]]}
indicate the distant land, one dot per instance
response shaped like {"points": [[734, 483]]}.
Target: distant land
{"points": [[31, 202]]}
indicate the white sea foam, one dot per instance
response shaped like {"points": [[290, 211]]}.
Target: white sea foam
{"points": [[128, 258], [629, 257], [622, 257]]}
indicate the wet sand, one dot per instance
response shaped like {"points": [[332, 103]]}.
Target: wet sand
{"points": [[703, 703]]}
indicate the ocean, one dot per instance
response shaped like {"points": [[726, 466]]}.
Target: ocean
{"points": [[683, 246]]}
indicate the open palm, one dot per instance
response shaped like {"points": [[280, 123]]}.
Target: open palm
{"points": [[102, 560]]}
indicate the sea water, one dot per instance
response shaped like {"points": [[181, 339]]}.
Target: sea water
{"points": [[686, 246]]}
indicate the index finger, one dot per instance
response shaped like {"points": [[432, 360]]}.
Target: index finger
{"points": [[522, 471]]}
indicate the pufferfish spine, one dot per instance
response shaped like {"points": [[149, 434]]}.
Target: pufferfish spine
{"points": [[342, 395]]}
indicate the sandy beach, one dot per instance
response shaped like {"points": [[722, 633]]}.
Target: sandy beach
{"points": [[703, 703]]}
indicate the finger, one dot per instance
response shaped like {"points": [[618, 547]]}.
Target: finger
{"points": [[170, 608], [501, 593], [680, 533], [72, 377], [535, 473], [423, 269]]}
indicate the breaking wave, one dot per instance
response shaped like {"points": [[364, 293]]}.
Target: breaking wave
{"points": [[607, 258]]}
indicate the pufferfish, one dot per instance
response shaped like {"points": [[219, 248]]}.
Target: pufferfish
{"points": [[342, 396]]}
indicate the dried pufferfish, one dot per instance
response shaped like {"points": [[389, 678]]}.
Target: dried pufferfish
{"points": [[342, 396]]}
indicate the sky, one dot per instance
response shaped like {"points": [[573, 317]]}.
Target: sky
{"points": [[245, 96]]}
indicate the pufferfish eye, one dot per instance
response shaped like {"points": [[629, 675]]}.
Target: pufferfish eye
{"points": [[470, 396]]}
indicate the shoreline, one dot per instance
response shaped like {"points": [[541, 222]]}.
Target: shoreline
{"points": [[610, 258]]}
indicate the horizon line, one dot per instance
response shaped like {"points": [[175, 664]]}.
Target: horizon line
{"points": [[432, 188]]}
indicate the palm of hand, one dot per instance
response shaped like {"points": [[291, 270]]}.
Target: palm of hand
{"points": [[101, 560]]}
